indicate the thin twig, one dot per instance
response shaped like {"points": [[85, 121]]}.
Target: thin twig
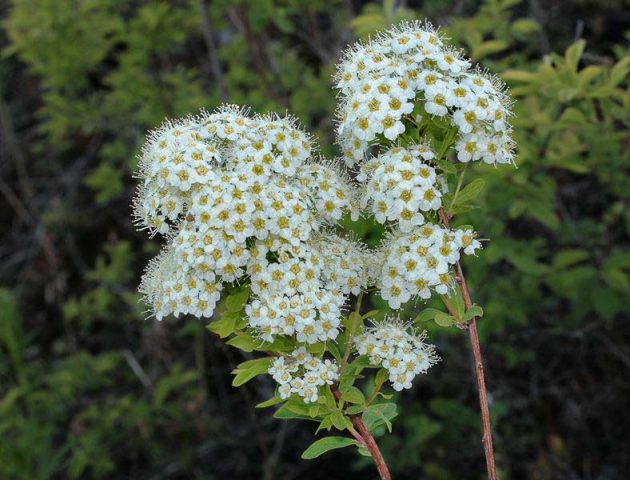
{"points": [[363, 436], [481, 382], [377, 389]]}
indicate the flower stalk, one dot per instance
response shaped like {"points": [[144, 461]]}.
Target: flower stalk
{"points": [[479, 374], [366, 439]]}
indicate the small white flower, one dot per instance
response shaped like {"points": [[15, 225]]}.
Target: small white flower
{"points": [[397, 348]]}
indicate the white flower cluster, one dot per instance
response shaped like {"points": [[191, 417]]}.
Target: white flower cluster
{"points": [[168, 288], [302, 289], [396, 347], [302, 373], [400, 184], [343, 262], [414, 263], [216, 184], [408, 72], [290, 297]]}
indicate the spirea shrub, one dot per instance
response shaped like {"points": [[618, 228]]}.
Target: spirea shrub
{"points": [[249, 215]]}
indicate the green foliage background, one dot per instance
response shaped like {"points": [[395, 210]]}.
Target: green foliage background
{"points": [[88, 389]]}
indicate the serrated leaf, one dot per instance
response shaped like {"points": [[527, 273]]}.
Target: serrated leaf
{"points": [[323, 445]]}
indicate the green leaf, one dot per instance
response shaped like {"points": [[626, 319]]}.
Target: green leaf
{"points": [[370, 314], [338, 420], [381, 377], [334, 349], [426, 315], [325, 423], [235, 301], [569, 257], [316, 348], [106, 181], [606, 302], [474, 311], [270, 403], [456, 299], [379, 414], [250, 369], [224, 326], [620, 71], [353, 395], [573, 54], [249, 343], [617, 260], [519, 76], [488, 48], [525, 26], [446, 166], [326, 444], [444, 319], [355, 409], [470, 192], [616, 279], [244, 341], [364, 452], [287, 412]]}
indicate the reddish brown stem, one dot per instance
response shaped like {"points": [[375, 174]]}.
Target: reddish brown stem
{"points": [[483, 401], [367, 440], [481, 382], [372, 447]]}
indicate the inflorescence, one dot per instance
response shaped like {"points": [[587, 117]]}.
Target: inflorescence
{"points": [[394, 345], [409, 73], [243, 199]]}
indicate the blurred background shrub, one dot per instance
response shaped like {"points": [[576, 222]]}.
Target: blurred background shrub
{"points": [[88, 389]]}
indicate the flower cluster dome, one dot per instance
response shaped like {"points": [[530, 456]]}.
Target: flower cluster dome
{"points": [[400, 184], [416, 263], [397, 348], [409, 73], [223, 185], [302, 373]]}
